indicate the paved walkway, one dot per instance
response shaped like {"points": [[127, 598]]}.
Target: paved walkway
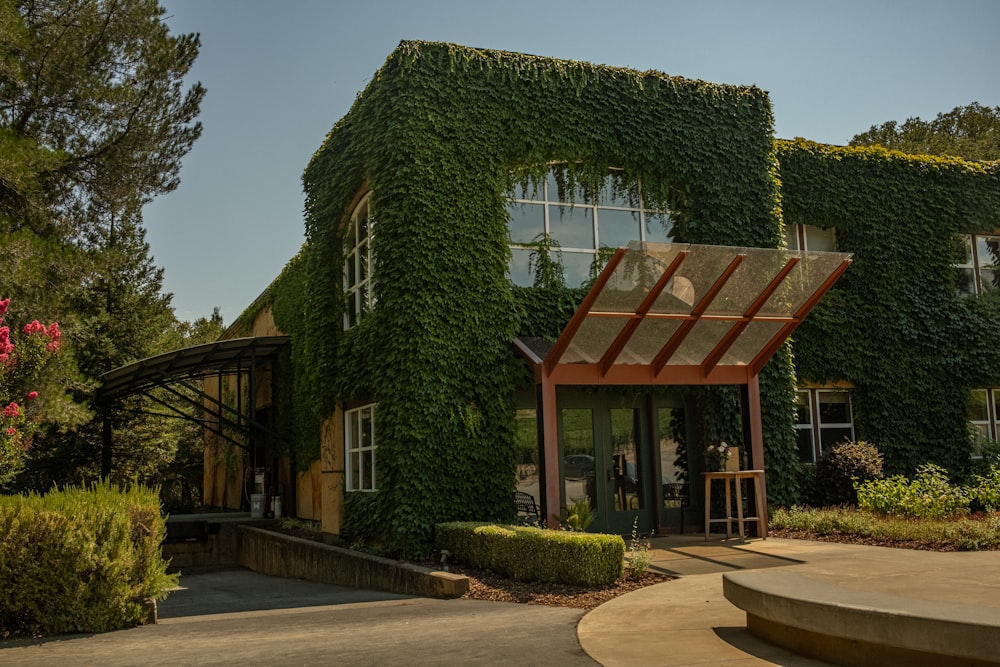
{"points": [[688, 622], [236, 617]]}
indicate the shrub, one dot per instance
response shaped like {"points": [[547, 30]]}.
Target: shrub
{"points": [[842, 465], [578, 516], [985, 490], [535, 554], [963, 533], [80, 560], [928, 495]]}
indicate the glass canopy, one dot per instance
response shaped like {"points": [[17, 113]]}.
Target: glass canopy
{"points": [[687, 314]]}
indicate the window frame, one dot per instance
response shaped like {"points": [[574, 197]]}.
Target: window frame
{"points": [[355, 449], [992, 396], [818, 426], [975, 263], [799, 234], [583, 205], [358, 265]]}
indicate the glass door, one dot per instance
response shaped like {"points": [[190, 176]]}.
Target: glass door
{"points": [[626, 501], [676, 491], [605, 449]]}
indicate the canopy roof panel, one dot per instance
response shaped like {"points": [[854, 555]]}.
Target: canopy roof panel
{"points": [[190, 362], [669, 313]]}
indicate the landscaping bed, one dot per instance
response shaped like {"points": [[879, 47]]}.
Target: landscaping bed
{"points": [[485, 585]]}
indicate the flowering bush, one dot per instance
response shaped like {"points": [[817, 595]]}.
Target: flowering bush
{"points": [[22, 357], [716, 456]]}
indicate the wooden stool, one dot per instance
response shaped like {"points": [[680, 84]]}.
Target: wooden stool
{"points": [[757, 477]]}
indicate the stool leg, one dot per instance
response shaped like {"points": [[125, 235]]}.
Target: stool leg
{"points": [[708, 504], [729, 511], [739, 507], [761, 510]]}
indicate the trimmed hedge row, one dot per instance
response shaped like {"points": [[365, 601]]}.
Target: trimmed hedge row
{"points": [[534, 554], [80, 560]]}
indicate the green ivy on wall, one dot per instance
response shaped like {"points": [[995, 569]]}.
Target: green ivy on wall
{"points": [[894, 325], [440, 137]]}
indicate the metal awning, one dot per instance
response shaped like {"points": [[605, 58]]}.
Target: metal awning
{"points": [[188, 363], [171, 374], [670, 313]]}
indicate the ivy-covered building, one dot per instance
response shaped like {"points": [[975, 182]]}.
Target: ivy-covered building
{"points": [[461, 213]]}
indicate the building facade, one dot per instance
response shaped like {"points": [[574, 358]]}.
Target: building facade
{"points": [[471, 199]]}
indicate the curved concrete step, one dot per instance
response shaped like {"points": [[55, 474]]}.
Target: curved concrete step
{"points": [[851, 626]]}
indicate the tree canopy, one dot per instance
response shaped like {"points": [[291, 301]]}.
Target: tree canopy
{"points": [[93, 113], [95, 118], [971, 132]]}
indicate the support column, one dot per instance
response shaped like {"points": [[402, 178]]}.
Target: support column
{"points": [[757, 442], [550, 450]]}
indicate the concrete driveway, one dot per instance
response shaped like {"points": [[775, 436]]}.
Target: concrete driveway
{"points": [[238, 617]]}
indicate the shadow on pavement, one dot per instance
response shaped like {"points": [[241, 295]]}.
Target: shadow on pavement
{"points": [[231, 590]]}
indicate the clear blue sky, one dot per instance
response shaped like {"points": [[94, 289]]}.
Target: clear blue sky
{"points": [[280, 74]]}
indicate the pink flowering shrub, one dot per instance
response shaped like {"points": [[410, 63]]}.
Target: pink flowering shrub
{"points": [[23, 355]]}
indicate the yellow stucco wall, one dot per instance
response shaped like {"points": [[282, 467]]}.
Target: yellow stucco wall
{"points": [[319, 490]]}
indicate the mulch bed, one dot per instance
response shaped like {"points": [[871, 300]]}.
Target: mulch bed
{"points": [[489, 586]]}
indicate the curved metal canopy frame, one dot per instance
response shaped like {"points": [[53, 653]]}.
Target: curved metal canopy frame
{"points": [[176, 370]]}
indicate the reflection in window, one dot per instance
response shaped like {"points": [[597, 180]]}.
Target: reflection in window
{"points": [[577, 223], [526, 444], [359, 445], [579, 464], [673, 456], [976, 268], [823, 419], [804, 427], [358, 265], [626, 468]]}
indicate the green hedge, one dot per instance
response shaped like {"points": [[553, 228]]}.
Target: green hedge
{"points": [[535, 554], [80, 560]]}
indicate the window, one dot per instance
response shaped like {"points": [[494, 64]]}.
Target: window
{"points": [[807, 237], [578, 224], [804, 427], [984, 405], [976, 270], [358, 265], [359, 443], [823, 419]]}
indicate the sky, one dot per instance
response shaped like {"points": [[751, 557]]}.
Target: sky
{"points": [[279, 74]]}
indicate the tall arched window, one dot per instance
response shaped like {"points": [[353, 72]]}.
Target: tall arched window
{"points": [[358, 264]]}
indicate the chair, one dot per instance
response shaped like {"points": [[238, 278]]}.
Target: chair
{"points": [[675, 495], [527, 510]]}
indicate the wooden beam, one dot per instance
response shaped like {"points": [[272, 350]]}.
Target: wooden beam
{"points": [[559, 349], [550, 453], [616, 347], [672, 345], [779, 339], [736, 330]]}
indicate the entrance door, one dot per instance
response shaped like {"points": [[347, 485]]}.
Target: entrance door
{"points": [[604, 443]]}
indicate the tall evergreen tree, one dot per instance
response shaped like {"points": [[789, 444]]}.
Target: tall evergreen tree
{"points": [[95, 118], [94, 91]]}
